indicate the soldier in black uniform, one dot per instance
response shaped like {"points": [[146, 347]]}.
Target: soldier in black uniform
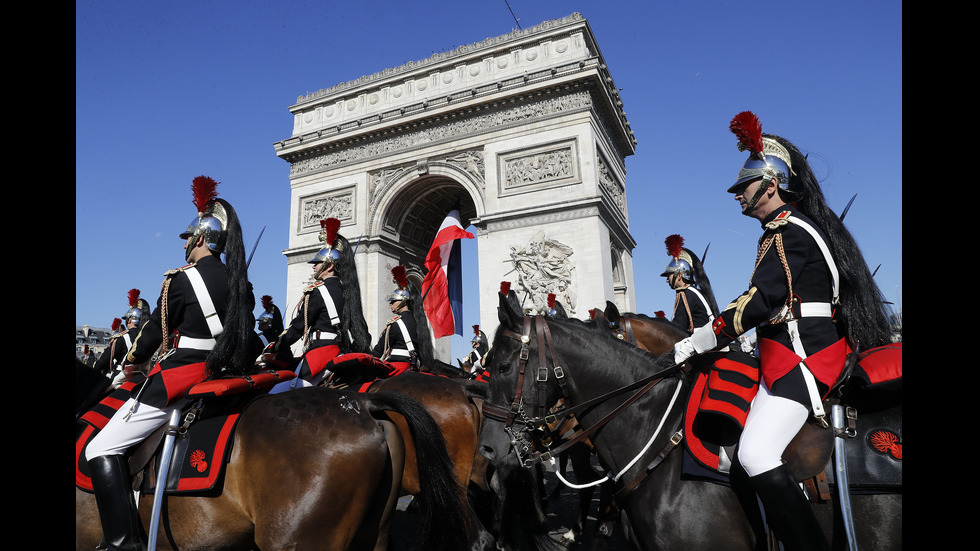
{"points": [[113, 358], [472, 363], [405, 343], [694, 303], [329, 318], [204, 319], [812, 300], [269, 321]]}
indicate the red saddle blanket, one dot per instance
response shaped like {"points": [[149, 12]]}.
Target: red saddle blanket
{"points": [[879, 428], [200, 452]]}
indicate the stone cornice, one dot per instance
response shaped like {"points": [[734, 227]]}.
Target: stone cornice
{"points": [[422, 95], [470, 50]]}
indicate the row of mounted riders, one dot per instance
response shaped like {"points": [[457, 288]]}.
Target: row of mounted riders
{"points": [[432, 449]]}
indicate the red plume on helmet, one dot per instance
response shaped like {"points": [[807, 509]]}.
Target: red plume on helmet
{"points": [[330, 227], [204, 189], [748, 130], [674, 245], [134, 297], [400, 277], [116, 322], [266, 302], [504, 288], [476, 330], [660, 314], [551, 301]]}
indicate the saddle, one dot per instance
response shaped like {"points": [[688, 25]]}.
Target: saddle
{"points": [[869, 387], [203, 440]]}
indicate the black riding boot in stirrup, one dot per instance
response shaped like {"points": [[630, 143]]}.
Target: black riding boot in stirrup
{"points": [[745, 493], [788, 512], [117, 509]]}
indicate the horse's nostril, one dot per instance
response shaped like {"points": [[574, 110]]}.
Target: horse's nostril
{"points": [[487, 451]]}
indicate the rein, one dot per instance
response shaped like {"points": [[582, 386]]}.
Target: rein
{"points": [[544, 418]]}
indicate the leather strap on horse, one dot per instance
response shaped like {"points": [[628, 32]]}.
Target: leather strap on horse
{"points": [[627, 489], [544, 419]]}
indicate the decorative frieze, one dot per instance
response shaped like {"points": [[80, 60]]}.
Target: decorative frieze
{"points": [[541, 167], [446, 130], [337, 204], [610, 185]]}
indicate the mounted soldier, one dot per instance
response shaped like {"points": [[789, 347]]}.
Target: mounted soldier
{"points": [[812, 299], [328, 319], [203, 320], [125, 330], [694, 303], [405, 341], [269, 322], [472, 363]]}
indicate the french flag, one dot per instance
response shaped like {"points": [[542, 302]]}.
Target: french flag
{"points": [[442, 287]]}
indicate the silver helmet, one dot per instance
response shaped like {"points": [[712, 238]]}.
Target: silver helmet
{"points": [[767, 158], [680, 258], [212, 219], [330, 252], [478, 337], [135, 312], [401, 292]]}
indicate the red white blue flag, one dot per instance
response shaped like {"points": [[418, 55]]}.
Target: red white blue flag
{"points": [[442, 287]]}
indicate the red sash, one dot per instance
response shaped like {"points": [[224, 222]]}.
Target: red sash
{"points": [[177, 380], [826, 365]]}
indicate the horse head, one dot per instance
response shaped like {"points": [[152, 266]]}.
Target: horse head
{"points": [[531, 370]]}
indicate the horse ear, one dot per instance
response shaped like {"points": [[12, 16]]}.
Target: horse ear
{"points": [[612, 313], [509, 317]]}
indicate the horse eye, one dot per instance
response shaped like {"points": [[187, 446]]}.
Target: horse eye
{"points": [[504, 367]]}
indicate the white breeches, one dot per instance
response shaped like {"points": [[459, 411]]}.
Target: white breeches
{"points": [[771, 425], [120, 434]]}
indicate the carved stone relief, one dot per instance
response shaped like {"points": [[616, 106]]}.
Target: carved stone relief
{"points": [[544, 266], [609, 184], [544, 166], [334, 204], [445, 132]]}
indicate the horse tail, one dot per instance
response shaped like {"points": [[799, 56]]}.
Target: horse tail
{"points": [[441, 496]]}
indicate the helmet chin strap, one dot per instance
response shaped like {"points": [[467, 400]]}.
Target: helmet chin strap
{"points": [[758, 195]]}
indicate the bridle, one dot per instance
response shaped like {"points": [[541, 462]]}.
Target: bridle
{"points": [[538, 426], [626, 332]]}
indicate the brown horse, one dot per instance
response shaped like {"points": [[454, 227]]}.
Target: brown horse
{"points": [[454, 405], [655, 335], [313, 468]]}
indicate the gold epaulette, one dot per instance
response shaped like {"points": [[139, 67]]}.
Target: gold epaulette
{"points": [[173, 271], [314, 286], [393, 320]]}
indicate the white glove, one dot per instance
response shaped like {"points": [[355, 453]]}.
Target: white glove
{"points": [[683, 350]]}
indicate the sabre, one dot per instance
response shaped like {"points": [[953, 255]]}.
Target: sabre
{"points": [[839, 416], [165, 456], [259, 238], [358, 243], [848, 207]]}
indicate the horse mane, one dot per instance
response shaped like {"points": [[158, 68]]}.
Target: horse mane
{"points": [[662, 321], [623, 353]]}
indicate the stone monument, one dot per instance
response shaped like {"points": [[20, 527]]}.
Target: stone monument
{"points": [[524, 133]]}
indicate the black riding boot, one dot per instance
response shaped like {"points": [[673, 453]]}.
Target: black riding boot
{"points": [[117, 509], [745, 493], [788, 512]]}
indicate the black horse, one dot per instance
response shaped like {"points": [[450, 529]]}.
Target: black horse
{"points": [[634, 411]]}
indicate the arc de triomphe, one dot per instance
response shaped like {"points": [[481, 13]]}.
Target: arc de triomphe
{"points": [[525, 133]]}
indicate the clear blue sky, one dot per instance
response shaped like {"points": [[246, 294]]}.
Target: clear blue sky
{"points": [[168, 91]]}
